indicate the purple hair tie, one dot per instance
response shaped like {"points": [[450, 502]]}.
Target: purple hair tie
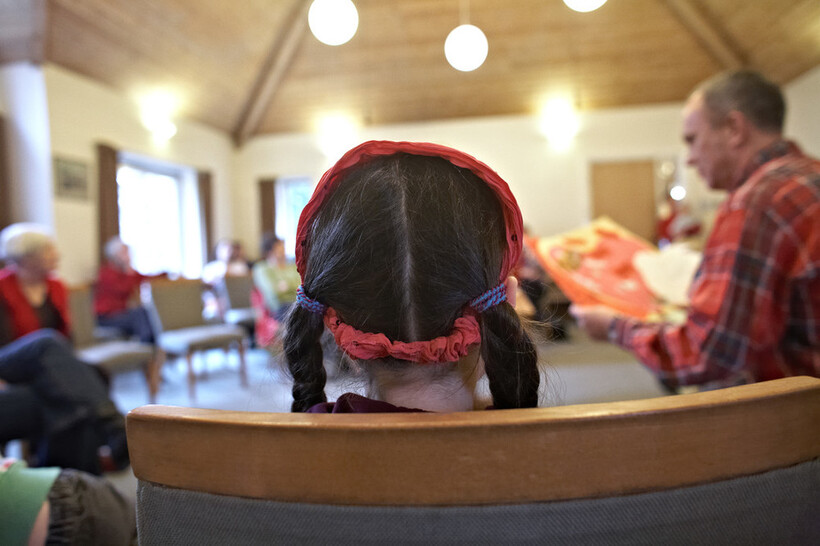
{"points": [[490, 298], [305, 302]]}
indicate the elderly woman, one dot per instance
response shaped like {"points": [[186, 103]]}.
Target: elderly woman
{"points": [[116, 291], [31, 297]]}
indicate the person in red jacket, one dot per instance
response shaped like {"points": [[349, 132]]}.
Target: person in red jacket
{"points": [[116, 301], [31, 296]]}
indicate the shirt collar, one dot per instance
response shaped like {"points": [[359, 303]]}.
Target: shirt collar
{"points": [[775, 150]]}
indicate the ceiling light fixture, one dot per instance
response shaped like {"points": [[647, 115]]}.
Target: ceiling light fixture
{"points": [[584, 6], [333, 22], [466, 46]]}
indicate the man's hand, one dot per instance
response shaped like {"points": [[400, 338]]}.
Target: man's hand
{"points": [[595, 320]]}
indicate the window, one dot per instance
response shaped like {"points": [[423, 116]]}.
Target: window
{"points": [[159, 217], [292, 194]]}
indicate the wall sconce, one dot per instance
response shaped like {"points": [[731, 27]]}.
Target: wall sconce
{"points": [[156, 111], [559, 122], [336, 134]]}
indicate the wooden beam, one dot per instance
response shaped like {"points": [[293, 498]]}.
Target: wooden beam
{"points": [[717, 42], [273, 70], [22, 31]]}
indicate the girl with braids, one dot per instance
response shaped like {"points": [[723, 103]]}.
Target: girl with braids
{"points": [[404, 252]]}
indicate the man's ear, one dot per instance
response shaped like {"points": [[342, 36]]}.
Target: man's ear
{"points": [[737, 127], [511, 285]]}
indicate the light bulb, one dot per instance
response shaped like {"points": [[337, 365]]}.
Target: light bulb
{"points": [[584, 5], [333, 22], [466, 48]]}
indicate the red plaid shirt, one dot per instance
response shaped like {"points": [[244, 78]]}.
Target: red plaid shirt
{"points": [[755, 300]]}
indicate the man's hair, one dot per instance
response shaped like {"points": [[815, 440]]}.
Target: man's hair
{"points": [[399, 248], [747, 92], [23, 239]]}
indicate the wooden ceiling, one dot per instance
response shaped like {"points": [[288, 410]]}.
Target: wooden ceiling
{"points": [[252, 67]]}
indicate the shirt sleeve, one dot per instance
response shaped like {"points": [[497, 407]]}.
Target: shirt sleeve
{"points": [[737, 307]]}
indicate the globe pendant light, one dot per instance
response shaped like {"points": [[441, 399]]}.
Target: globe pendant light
{"points": [[333, 22], [584, 5], [466, 48]]}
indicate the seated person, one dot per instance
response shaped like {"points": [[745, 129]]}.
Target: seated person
{"points": [[116, 294], [60, 403], [53, 506], [31, 296], [275, 277], [405, 252], [230, 261]]}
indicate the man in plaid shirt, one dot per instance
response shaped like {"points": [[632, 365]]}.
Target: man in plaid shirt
{"points": [[755, 300]]}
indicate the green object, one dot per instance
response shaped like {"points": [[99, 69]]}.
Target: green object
{"points": [[23, 491]]}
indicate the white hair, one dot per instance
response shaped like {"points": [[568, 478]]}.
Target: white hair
{"points": [[112, 247], [24, 239]]}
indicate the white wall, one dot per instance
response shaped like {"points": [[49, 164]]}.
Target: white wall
{"points": [[551, 187], [83, 114], [803, 111]]}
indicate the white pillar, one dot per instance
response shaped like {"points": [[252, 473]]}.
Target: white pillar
{"points": [[23, 92]]}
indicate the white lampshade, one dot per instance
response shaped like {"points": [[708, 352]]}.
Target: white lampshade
{"points": [[584, 5], [466, 48], [333, 22]]}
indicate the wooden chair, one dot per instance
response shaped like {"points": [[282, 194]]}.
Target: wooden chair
{"points": [[176, 308], [237, 297], [735, 466], [111, 355]]}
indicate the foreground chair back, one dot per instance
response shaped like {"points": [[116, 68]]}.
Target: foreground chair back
{"points": [[111, 355], [176, 307], [735, 466]]}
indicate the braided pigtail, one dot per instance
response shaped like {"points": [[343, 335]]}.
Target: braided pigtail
{"points": [[510, 359], [304, 356]]}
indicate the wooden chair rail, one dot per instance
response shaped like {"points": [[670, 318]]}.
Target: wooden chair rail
{"points": [[510, 456]]}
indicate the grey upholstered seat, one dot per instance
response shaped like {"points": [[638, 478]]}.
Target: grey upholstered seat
{"points": [[736, 466], [176, 308], [112, 355]]}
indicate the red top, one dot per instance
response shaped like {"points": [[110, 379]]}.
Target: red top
{"points": [[755, 300], [114, 289], [22, 316]]}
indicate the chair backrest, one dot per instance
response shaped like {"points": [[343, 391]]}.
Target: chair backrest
{"points": [[175, 304], [696, 467], [237, 291], [80, 307]]}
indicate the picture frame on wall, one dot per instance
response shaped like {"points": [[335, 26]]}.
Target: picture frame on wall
{"points": [[70, 178]]}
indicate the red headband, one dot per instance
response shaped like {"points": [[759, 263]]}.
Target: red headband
{"points": [[466, 331], [375, 148]]}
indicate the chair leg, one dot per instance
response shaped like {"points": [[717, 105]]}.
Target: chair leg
{"points": [[189, 356], [153, 374], [243, 370]]}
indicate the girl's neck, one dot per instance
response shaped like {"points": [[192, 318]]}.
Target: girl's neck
{"points": [[435, 397]]}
